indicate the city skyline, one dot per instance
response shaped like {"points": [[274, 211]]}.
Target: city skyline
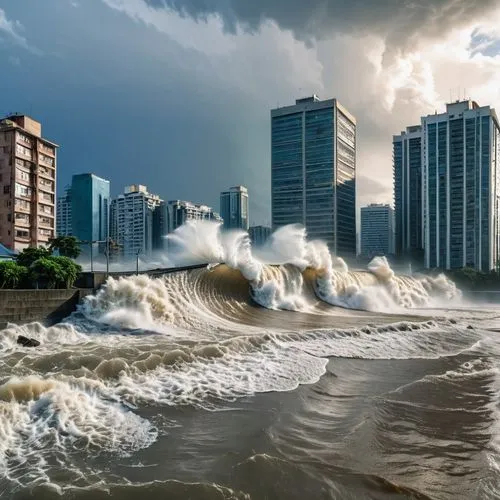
{"points": [[393, 83]]}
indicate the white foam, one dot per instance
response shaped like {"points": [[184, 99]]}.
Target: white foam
{"points": [[47, 416]]}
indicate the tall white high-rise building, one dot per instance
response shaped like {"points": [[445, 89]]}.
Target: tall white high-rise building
{"points": [[179, 212], [132, 217], [461, 161], [234, 208], [64, 226]]}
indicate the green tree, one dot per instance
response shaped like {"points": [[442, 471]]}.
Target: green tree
{"points": [[54, 272], [70, 269], [12, 275], [32, 254], [47, 273], [66, 245]]}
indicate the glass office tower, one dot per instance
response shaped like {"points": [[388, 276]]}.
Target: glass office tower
{"points": [[461, 159], [313, 171], [408, 192], [90, 211]]}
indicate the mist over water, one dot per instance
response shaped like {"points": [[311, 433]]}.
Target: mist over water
{"points": [[270, 373]]}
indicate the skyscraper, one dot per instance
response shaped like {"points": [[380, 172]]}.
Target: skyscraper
{"points": [[179, 212], [259, 235], [462, 187], [64, 225], [132, 220], [160, 229], [313, 170], [408, 192], [377, 230], [27, 184], [90, 211], [234, 208]]}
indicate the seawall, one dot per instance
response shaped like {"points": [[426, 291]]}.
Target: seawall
{"points": [[51, 306], [45, 306]]}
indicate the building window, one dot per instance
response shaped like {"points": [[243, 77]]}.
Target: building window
{"points": [[46, 232], [22, 190], [23, 234], [47, 159], [24, 138], [46, 209], [22, 175], [46, 172], [47, 197], [47, 149], [46, 183], [46, 221], [6, 189], [21, 150], [22, 218], [23, 204]]}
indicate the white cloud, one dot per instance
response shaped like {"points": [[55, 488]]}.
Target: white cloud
{"points": [[12, 31], [385, 87]]}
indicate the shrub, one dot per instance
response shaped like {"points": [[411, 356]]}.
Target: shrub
{"points": [[70, 269], [47, 273], [54, 272], [30, 255], [12, 275]]}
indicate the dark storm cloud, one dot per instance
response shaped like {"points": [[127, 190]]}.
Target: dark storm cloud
{"points": [[398, 20]]}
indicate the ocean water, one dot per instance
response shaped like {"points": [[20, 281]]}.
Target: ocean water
{"points": [[269, 374]]}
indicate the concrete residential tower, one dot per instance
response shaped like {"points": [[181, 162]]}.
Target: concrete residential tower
{"points": [[132, 220], [313, 171], [27, 184], [179, 212]]}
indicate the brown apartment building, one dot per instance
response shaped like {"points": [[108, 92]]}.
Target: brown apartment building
{"points": [[27, 184]]}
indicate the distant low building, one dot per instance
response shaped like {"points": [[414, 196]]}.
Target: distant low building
{"points": [[259, 235], [377, 230], [179, 212]]}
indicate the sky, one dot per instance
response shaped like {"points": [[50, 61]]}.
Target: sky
{"points": [[176, 94]]}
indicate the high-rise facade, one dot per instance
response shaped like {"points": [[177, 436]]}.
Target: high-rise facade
{"points": [[234, 208], [259, 235], [179, 212], [64, 211], [160, 228], [131, 221], [90, 200], [408, 174], [461, 160], [313, 171], [27, 184], [377, 230]]}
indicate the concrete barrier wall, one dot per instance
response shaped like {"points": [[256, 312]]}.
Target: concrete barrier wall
{"points": [[97, 278], [50, 306], [45, 306]]}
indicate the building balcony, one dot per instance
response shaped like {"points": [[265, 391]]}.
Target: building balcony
{"points": [[49, 189], [47, 150]]}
